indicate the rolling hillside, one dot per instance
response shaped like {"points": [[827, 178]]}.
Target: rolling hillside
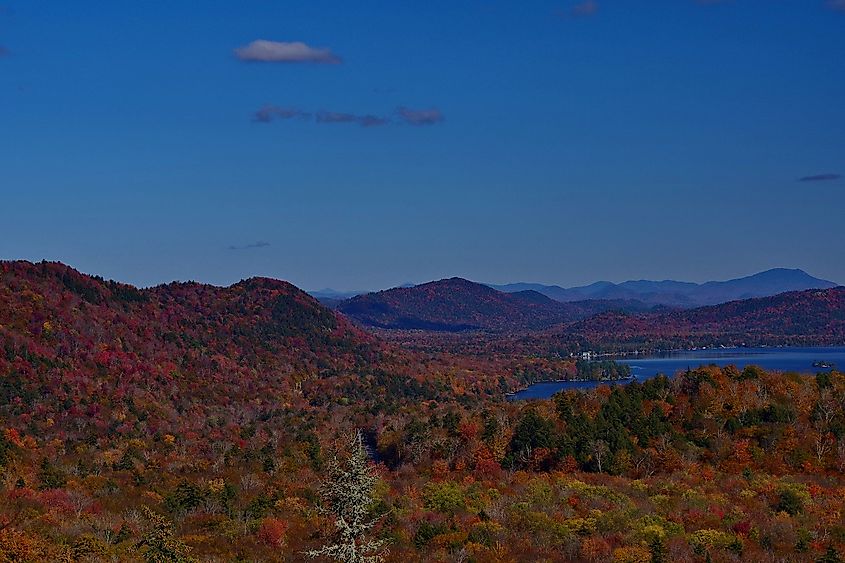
{"points": [[70, 341]]}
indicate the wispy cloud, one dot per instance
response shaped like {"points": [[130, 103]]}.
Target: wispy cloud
{"points": [[264, 51], [372, 120], [408, 116], [335, 117], [259, 244], [820, 178], [419, 116], [269, 113], [362, 120], [838, 5]]}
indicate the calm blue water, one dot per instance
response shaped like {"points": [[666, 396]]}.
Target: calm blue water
{"points": [[773, 359]]}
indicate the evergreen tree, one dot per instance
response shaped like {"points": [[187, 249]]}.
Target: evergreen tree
{"points": [[657, 547], [830, 556], [348, 494], [159, 545], [51, 477]]}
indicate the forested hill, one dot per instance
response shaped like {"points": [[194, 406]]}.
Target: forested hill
{"points": [[85, 342], [813, 317], [456, 304], [452, 305]]}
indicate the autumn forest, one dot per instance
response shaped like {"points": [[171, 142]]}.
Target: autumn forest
{"points": [[188, 422]]}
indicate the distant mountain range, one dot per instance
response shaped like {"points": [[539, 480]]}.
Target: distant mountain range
{"points": [[670, 293], [682, 294], [329, 293], [455, 305], [332, 297]]}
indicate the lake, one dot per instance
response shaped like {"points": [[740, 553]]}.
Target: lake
{"points": [[669, 363]]}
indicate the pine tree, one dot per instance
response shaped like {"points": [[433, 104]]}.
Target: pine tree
{"points": [[159, 545], [51, 476], [657, 547], [347, 494], [830, 556]]}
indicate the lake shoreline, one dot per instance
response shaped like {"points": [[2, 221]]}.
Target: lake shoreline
{"points": [[669, 363]]}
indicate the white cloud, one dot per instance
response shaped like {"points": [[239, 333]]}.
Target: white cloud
{"points": [[264, 51]]}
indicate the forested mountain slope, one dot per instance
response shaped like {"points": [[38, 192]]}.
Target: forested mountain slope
{"points": [[813, 317], [77, 347]]}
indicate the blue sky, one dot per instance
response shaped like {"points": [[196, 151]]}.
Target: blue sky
{"points": [[560, 142]]}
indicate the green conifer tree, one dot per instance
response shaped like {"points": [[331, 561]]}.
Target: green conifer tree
{"points": [[347, 494]]}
